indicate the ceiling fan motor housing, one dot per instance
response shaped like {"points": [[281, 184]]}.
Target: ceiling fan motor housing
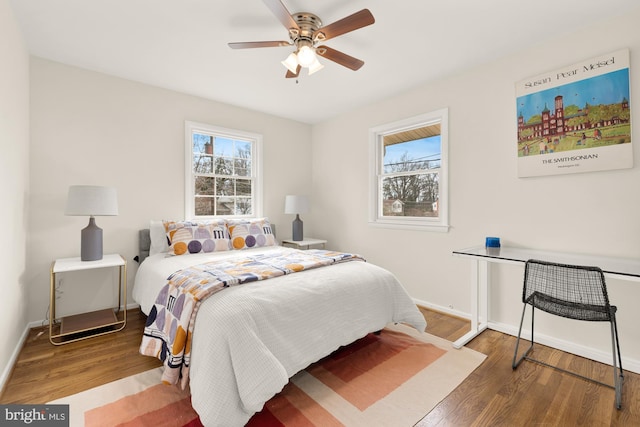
{"points": [[309, 24]]}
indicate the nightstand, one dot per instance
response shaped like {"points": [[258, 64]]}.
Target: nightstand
{"points": [[86, 325], [305, 243]]}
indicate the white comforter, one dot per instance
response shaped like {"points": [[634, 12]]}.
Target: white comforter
{"points": [[249, 340]]}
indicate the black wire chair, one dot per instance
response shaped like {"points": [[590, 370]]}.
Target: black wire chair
{"points": [[575, 292]]}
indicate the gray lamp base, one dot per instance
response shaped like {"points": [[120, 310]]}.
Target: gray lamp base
{"points": [[91, 242], [297, 229]]}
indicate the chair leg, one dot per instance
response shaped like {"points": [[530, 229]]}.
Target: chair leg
{"points": [[617, 373], [515, 363], [615, 325]]}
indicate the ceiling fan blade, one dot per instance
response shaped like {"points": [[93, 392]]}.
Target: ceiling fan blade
{"points": [[248, 45], [347, 24], [339, 57], [281, 12], [290, 75]]}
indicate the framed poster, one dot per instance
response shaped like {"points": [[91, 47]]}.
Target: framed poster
{"points": [[576, 118]]}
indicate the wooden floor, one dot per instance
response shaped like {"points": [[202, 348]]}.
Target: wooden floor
{"points": [[493, 395]]}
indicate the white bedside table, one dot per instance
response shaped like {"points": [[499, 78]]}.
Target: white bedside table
{"points": [[85, 325], [305, 243]]}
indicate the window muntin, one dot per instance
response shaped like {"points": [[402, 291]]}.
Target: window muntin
{"points": [[409, 178], [223, 177]]}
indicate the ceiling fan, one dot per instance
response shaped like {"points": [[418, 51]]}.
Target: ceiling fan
{"points": [[306, 34]]}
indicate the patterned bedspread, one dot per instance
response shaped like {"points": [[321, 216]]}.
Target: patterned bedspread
{"points": [[169, 328]]}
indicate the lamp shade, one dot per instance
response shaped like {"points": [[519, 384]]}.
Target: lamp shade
{"points": [[296, 204], [315, 67], [91, 200], [306, 56], [291, 63]]}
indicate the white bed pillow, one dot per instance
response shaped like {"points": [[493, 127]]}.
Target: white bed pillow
{"points": [[159, 243]]}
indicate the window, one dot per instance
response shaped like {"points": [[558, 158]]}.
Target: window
{"points": [[409, 173], [222, 172]]}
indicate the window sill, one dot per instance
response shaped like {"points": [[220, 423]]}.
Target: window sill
{"points": [[435, 228]]}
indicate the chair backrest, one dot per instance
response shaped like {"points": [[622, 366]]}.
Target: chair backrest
{"points": [[573, 291]]}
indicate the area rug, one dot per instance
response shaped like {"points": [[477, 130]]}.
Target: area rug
{"points": [[391, 379]]}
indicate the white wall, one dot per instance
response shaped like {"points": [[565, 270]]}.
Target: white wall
{"points": [[90, 128], [14, 184], [596, 213]]}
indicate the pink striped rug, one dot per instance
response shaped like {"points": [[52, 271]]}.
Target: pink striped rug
{"points": [[394, 378]]}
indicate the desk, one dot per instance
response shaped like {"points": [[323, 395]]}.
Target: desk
{"points": [[618, 268]]}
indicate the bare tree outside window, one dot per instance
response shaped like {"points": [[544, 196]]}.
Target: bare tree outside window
{"points": [[410, 177], [222, 173]]}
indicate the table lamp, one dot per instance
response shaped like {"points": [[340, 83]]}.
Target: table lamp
{"points": [[296, 205], [91, 201]]}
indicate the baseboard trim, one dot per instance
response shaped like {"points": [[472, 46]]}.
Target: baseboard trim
{"points": [[6, 373], [442, 309]]}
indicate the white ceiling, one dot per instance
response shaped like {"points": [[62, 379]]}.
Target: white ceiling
{"points": [[182, 44]]}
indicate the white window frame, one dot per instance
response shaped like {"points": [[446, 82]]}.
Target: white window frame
{"points": [[376, 141], [256, 166]]}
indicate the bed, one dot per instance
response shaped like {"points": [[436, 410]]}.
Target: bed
{"points": [[248, 340]]}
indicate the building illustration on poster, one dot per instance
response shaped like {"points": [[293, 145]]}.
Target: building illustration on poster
{"points": [[576, 119]]}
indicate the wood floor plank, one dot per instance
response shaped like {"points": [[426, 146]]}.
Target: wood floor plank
{"points": [[493, 395]]}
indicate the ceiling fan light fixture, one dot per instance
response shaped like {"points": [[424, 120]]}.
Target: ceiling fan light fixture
{"points": [[291, 62], [306, 56], [316, 66]]}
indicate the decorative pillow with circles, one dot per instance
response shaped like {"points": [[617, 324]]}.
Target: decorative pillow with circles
{"points": [[193, 237], [251, 233]]}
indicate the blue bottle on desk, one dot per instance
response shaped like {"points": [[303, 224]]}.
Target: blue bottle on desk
{"points": [[492, 244]]}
